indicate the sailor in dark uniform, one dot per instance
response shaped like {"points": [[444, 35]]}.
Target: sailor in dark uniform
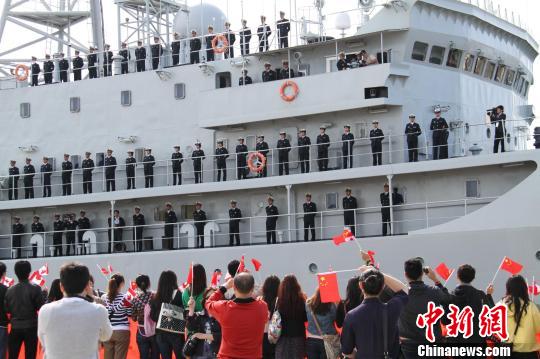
{"points": [[87, 167], [323, 143], [126, 56], [498, 118], [241, 159], [84, 224], [138, 229], [48, 68], [221, 161], [310, 211], [385, 209], [110, 171], [35, 70], [107, 61], [284, 147], [245, 38], [17, 232], [197, 156], [63, 65], [245, 79], [342, 62], [92, 63], [67, 169], [349, 214], [71, 227], [263, 32], [376, 136], [78, 64], [268, 74], [149, 162], [262, 148], [412, 131], [199, 217], [208, 40], [285, 72], [156, 50], [37, 228], [170, 222], [58, 232], [175, 48], [28, 179], [304, 147], [271, 221], [46, 172], [140, 57], [177, 159], [347, 139], [235, 214], [194, 48], [131, 164], [117, 225], [231, 39], [13, 181], [283, 27], [440, 135]]}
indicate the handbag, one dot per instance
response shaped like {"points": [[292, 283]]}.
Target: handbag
{"points": [[149, 325], [171, 318], [332, 344], [274, 327], [190, 346]]}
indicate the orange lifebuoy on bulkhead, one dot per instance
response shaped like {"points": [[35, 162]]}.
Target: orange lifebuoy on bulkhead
{"points": [[256, 162], [24, 75], [224, 44], [284, 87]]}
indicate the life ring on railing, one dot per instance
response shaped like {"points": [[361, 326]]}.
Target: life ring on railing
{"points": [[256, 162], [24, 75], [284, 87], [224, 44]]}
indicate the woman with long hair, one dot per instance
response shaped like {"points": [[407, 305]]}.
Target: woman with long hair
{"points": [[269, 294], [523, 319], [117, 347], [352, 300], [204, 328], [55, 293], [291, 304], [147, 344], [321, 321], [167, 292], [197, 288]]}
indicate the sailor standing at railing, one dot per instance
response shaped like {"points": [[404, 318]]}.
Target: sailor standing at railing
{"points": [[285, 72], [385, 209], [107, 61], [17, 232], [138, 228], [48, 68], [177, 159], [37, 228], [63, 65], [71, 226], [194, 48], [208, 40], [412, 131], [263, 32], [78, 64], [197, 156], [347, 147], [28, 179], [221, 161], [92, 63], [241, 159], [199, 216], [110, 171], [231, 39], [130, 170], [156, 50], [175, 48], [67, 169], [323, 143], [283, 26], [126, 56], [13, 181], [440, 135], [376, 136], [304, 147], [87, 167], [170, 221], [350, 204], [149, 163], [58, 232], [498, 118], [235, 214], [35, 70], [84, 224], [46, 172], [245, 79], [140, 57], [245, 38], [262, 148], [268, 74], [284, 147], [272, 214], [310, 211]]}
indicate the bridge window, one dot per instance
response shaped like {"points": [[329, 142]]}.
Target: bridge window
{"points": [[100, 159], [223, 80], [76, 161], [138, 153], [437, 55], [180, 91], [490, 70], [25, 109], [331, 200], [125, 98], [525, 88], [419, 51], [499, 75], [74, 104], [468, 63], [454, 58], [510, 76], [472, 188], [480, 65]]}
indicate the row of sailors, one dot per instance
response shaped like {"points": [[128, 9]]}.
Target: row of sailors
{"points": [[156, 51], [439, 127], [72, 227]]}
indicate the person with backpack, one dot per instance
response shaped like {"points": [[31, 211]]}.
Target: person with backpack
{"points": [[140, 313]]}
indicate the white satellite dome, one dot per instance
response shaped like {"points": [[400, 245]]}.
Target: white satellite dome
{"points": [[185, 21], [343, 21]]}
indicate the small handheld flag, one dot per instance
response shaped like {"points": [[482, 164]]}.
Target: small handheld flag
{"points": [[44, 270], [256, 264], [8, 282], [242, 266], [511, 266], [443, 270], [345, 236], [216, 279], [328, 287], [37, 279]]}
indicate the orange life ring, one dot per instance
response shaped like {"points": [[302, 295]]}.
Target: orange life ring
{"points": [[256, 162], [24, 75], [294, 88], [224, 44]]}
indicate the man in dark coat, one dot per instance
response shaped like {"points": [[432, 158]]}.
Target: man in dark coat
{"points": [[63, 65], [199, 217], [48, 68], [140, 57], [131, 164], [138, 229], [78, 64], [245, 38], [323, 143], [156, 50], [221, 161], [35, 70], [177, 159], [231, 39], [241, 159], [46, 173], [194, 48], [28, 179], [126, 56], [235, 214], [170, 222], [283, 27]]}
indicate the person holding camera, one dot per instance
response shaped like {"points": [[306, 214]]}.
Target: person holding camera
{"points": [[498, 118], [205, 340]]}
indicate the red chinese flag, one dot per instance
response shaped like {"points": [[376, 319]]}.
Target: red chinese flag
{"points": [[534, 289], [345, 236], [511, 266], [256, 264], [444, 271], [328, 287], [216, 278], [242, 266], [189, 279]]}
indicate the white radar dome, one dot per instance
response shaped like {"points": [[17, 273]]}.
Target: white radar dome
{"points": [[185, 21]]}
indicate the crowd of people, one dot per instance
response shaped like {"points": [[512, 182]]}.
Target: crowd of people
{"points": [[156, 50], [244, 319]]}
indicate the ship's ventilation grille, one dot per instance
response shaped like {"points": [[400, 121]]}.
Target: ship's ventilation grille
{"points": [[180, 91], [472, 188], [25, 109], [125, 98], [331, 200], [75, 104]]}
